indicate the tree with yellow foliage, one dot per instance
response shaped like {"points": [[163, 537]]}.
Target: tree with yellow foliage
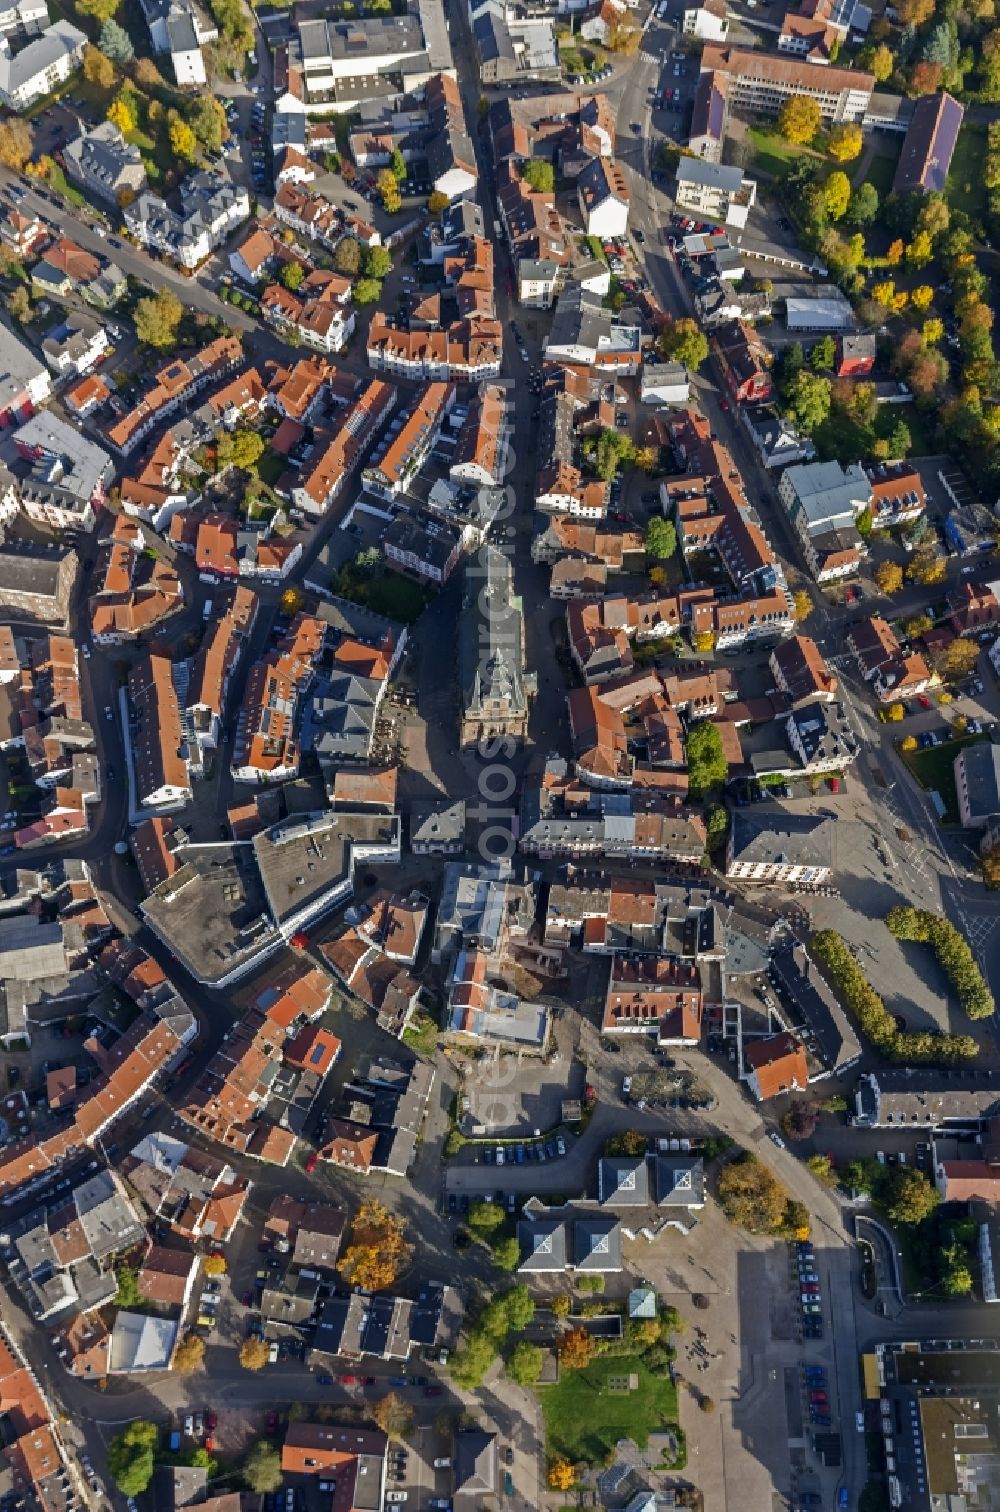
{"points": [[576, 1349], [704, 640], [15, 143], [214, 1265], [378, 1250], [888, 577], [799, 119], [884, 293], [894, 254], [562, 1476], [183, 142], [908, 743], [802, 604], [921, 296], [844, 142], [932, 331], [121, 113], [97, 67]]}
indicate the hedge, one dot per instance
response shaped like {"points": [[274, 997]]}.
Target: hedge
{"points": [[953, 955]]}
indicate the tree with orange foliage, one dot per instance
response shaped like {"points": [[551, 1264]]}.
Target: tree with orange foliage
{"points": [[378, 1250], [576, 1349], [562, 1476]]}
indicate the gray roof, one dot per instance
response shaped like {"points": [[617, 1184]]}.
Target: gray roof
{"points": [[543, 1244], [475, 1462], [18, 367], [680, 1181], [714, 175], [491, 636], [32, 569], [181, 33], [580, 319], [982, 770], [103, 160], [438, 823], [623, 1181], [823, 732], [340, 719], [597, 1244], [58, 40], [770, 835], [68, 465]]}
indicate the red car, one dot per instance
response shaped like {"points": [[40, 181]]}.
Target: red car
{"points": [[311, 1163], [724, 405], [923, 700], [348, 1380]]}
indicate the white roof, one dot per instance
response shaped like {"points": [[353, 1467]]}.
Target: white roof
{"points": [[142, 1343], [829, 309]]}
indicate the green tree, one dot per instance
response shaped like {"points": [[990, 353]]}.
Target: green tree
{"points": [[684, 341], [823, 355], [376, 262], [865, 521], [661, 538], [292, 275], [367, 291], [790, 364], [262, 1468], [397, 166], [130, 1457], [239, 448], [717, 825], [539, 175], [472, 1360], [484, 1217], [822, 1168], [524, 1363], [809, 400], [899, 440], [907, 1195], [611, 451], [506, 1253], [158, 318], [864, 206], [128, 1294], [115, 42], [706, 761], [207, 120]]}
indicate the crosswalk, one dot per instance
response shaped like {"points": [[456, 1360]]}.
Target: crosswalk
{"points": [[648, 57]]}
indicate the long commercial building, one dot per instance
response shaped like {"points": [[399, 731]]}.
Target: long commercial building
{"points": [[760, 83]]}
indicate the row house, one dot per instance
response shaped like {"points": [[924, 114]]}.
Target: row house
{"points": [[337, 455], [562, 818], [314, 216], [480, 453], [267, 745], [468, 350], [145, 1052], [801, 673], [560, 536], [397, 463], [154, 492], [426, 549], [745, 362], [211, 673], [654, 995], [174, 385], [162, 781]]}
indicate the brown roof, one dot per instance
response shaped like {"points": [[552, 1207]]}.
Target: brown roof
{"points": [[165, 1275], [780, 1064], [789, 72]]}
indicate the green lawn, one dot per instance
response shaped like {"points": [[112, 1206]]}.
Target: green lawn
{"points": [[934, 770], [584, 1420], [880, 173], [772, 154], [966, 189]]}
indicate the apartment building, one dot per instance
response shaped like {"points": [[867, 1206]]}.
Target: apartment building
{"points": [[339, 452], [131, 591], [654, 995], [897, 495], [481, 449], [770, 846], [468, 350], [104, 164], [800, 671], [68, 477], [211, 206], [317, 312], [39, 67], [708, 21], [823, 501], [707, 131], [176, 383], [716, 193], [760, 83], [24, 381], [398, 462]]}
